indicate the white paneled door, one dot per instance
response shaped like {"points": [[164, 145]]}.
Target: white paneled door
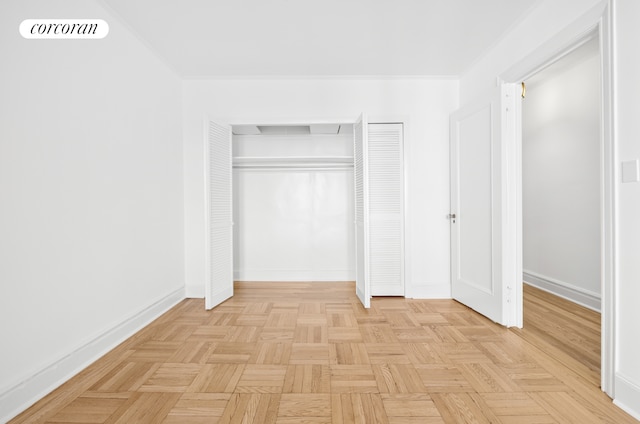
{"points": [[219, 195], [479, 213], [360, 141]]}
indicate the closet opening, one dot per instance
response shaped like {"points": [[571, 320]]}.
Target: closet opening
{"points": [[293, 203], [317, 202]]}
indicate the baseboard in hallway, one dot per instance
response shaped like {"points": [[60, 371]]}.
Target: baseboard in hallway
{"points": [[578, 295]]}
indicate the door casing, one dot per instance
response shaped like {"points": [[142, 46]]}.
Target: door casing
{"points": [[595, 23]]}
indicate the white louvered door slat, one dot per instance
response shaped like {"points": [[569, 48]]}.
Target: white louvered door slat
{"points": [[385, 209], [219, 286], [361, 227]]}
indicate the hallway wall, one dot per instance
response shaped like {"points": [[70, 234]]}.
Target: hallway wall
{"points": [[561, 177]]}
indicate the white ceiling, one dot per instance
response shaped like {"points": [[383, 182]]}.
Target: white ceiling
{"points": [[200, 38]]}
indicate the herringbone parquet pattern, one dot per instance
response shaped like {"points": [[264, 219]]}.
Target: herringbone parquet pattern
{"points": [[309, 353]]}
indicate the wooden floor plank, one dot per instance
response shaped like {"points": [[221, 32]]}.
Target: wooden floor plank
{"points": [[309, 378], [310, 353], [198, 408], [144, 408]]}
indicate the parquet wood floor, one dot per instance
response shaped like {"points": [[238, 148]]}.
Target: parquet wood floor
{"points": [[301, 353]]}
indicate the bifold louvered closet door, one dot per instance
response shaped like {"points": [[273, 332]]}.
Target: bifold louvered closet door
{"points": [[379, 200], [360, 136], [219, 195], [385, 209]]}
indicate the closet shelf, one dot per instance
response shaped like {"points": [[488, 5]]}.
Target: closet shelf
{"points": [[293, 162]]}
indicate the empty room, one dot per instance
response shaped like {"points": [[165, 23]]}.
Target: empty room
{"points": [[283, 211]]}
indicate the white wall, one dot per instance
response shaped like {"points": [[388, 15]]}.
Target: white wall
{"points": [[549, 18], [627, 128], [561, 178], [293, 219], [423, 104], [91, 218]]}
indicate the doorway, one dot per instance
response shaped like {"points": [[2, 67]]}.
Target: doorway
{"points": [[561, 177], [561, 208], [492, 125], [598, 26]]}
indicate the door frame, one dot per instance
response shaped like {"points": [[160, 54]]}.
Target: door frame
{"points": [[597, 22]]}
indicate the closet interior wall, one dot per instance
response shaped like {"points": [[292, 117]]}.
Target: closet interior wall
{"points": [[293, 206]]}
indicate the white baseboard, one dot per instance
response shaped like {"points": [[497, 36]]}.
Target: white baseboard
{"points": [[578, 295], [194, 292], [429, 291], [294, 275], [627, 396], [19, 397]]}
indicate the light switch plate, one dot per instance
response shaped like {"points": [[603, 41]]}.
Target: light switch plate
{"points": [[630, 171]]}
